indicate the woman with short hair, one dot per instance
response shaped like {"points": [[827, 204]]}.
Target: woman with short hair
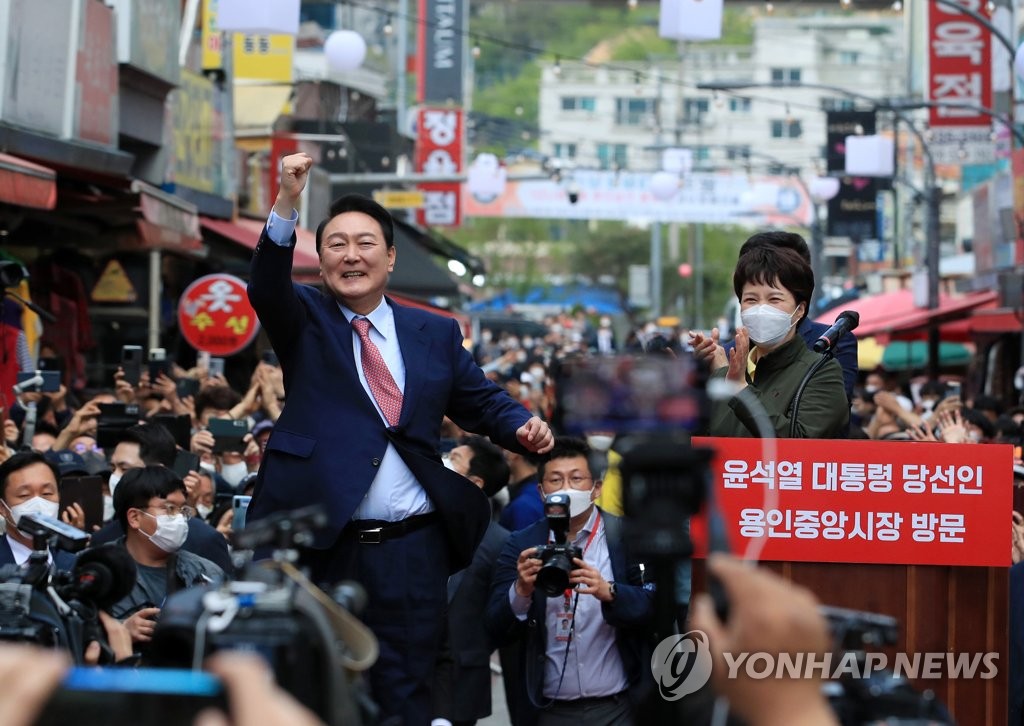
{"points": [[769, 362]]}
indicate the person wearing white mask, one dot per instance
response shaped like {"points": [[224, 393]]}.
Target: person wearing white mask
{"points": [[151, 444], [774, 287], [203, 496], [149, 503], [29, 484], [591, 639]]}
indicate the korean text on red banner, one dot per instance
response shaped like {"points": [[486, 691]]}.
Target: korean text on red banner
{"points": [[866, 501]]}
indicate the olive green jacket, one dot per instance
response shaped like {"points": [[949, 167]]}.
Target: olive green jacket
{"points": [[824, 409]]}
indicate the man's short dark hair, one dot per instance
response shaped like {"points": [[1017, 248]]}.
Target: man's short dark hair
{"points": [[566, 447], [488, 463], [976, 417], [983, 402], [222, 398], [138, 486], [933, 388], [359, 203], [21, 461], [156, 443], [775, 266], [777, 238]]}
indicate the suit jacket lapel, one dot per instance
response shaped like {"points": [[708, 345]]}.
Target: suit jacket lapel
{"points": [[415, 345], [341, 332]]}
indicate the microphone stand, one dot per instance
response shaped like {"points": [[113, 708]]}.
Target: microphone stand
{"points": [[794, 407]]}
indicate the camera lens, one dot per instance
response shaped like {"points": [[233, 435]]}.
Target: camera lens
{"points": [[553, 578]]}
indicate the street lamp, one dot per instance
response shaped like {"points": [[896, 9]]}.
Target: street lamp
{"points": [[933, 193]]}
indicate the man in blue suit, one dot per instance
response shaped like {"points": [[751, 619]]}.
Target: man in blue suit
{"points": [[368, 383], [585, 652], [29, 484]]}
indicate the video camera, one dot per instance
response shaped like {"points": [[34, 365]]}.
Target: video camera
{"points": [[311, 640], [44, 606], [881, 697], [553, 578]]}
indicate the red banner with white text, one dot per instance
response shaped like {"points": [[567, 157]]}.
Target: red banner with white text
{"points": [[960, 64], [439, 151], [887, 502]]}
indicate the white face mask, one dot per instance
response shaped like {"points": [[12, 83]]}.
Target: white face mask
{"points": [[767, 324], [579, 501], [447, 462], [599, 442], [204, 511], [108, 507], [112, 483], [234, 473], [208, 467], [35, 505], [171, 531]]}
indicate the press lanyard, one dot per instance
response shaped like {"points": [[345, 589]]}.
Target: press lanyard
{"points": [[593, 533]]}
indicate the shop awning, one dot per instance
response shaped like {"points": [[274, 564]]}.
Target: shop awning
{"points": [[995, 321], [905, 355], [416, 273], [895, 314], [25, 184], [246, 232], [167, 221]]}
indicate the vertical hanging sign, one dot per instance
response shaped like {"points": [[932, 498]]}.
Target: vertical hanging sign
{"points": [[440, 52], [960, 65], [439, 151], [960, 72]]}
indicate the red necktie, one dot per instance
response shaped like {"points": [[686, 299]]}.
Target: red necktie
{"points": [[382, 385]]}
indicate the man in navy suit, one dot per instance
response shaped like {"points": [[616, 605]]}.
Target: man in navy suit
{"points": [[462, 682], [369, 382], [29, 484], [585, 652]]}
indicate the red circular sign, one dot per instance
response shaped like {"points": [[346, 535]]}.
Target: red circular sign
{"points": [[214, 315]]}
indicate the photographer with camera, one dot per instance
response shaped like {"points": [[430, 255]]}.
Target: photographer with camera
{"points": [[149, 504], [562, 588]]}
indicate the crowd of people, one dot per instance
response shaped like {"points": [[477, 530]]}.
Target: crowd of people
{"points": [[433, 461]]}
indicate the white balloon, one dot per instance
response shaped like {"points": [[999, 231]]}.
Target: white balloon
{"points": [[823, 188], [1018, 61], [345, 50], [663, 185]]}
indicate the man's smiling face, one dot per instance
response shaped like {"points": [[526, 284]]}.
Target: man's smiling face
{"points": [[355, 261]]}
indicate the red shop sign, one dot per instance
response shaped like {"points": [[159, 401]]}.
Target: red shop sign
{"points": [[887, 502], [439, 151], [214, 315], [960, 65]]}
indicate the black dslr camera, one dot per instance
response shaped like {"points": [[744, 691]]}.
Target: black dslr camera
{"points": [[553, 578]]}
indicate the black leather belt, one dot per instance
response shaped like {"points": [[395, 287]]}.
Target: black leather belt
{"points": [[376, 531], [591, 700]]}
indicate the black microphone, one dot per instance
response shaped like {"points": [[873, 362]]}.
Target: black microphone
{"points": [[847, 321]]}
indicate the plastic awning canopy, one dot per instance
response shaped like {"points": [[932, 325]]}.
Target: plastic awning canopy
{"points": [[25, 184], [246, 232], [894, 314]]}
